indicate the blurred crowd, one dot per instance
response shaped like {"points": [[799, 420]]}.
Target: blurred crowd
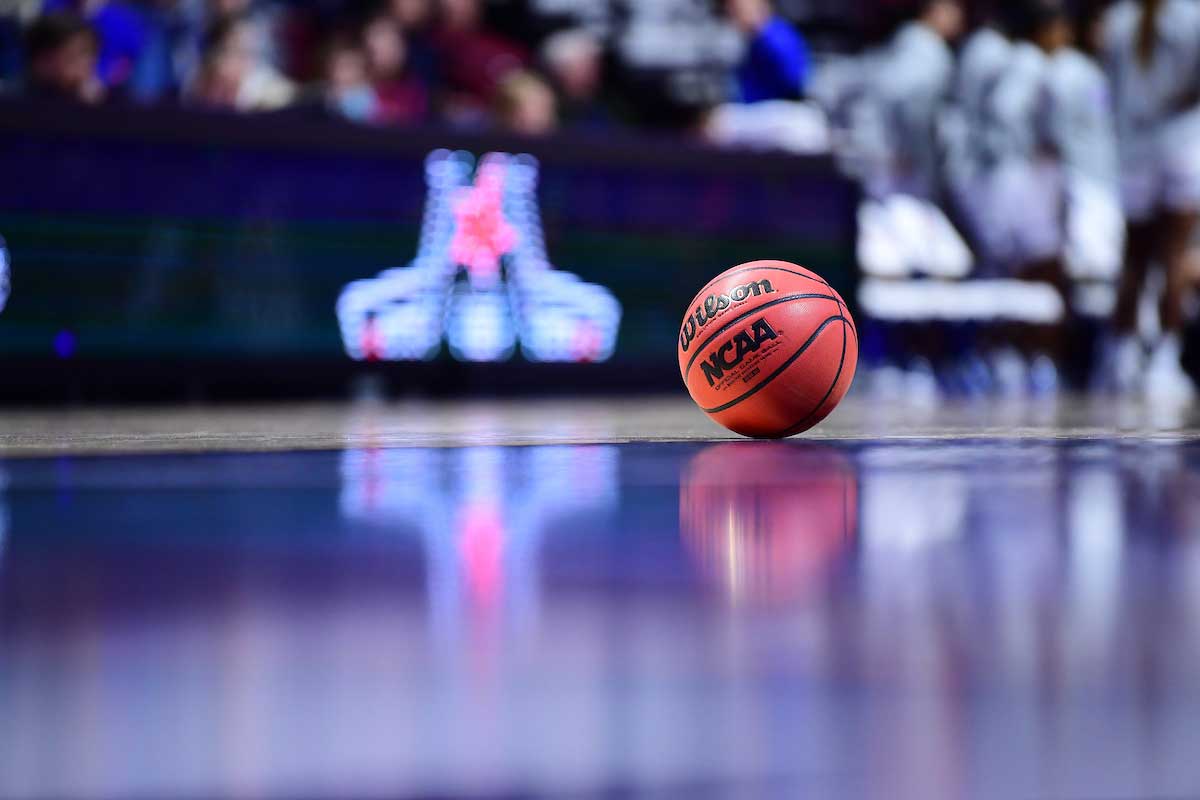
{"points": [[529, 66]]}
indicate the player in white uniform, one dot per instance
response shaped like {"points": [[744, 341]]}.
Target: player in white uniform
{"points": [[1020, 230], [1075, 123], [1151, 52], [906, 85], [912, 82], [1045, 193], [973, 149]]}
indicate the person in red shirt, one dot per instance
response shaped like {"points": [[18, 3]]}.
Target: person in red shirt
{"points": [[473, 61], [402, 97]]}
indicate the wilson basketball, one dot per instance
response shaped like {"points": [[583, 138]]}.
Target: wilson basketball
{"points": [[768, 349]]}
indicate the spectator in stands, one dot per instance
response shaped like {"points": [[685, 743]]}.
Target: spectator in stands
{"points": [[348, 91], [415, 18], [235, 74], [525, 104], [776, 63], [169, 53], [574, 61], [262, 18], [402, 96], [411, 15], [62, 51], [122, 33], [10, 50], [472, 60]]}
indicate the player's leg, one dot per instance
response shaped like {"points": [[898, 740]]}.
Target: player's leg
{"points": [[1180, 156], [1122, 353], [1179, 228], [1140, 240], [1166, 377], [1123, 358], [1037, 203]]}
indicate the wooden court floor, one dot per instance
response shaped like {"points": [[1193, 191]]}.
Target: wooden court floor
{"points": [[428, 423]]}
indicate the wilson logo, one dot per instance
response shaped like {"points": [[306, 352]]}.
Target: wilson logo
{"points": [[714, 305], [735, 350]]}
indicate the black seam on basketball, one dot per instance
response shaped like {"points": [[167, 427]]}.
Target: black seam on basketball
{"points": [[799, 426], [845, 309], [724, 275], [742, 316], [804, 347], [850, 321]]}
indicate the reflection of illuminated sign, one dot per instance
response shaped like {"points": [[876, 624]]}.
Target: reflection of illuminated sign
{"points": [[481, 279], [3, 274], [481, 514]]}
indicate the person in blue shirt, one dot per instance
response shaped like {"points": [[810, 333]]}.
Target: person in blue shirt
{"points": [[122, 31], [776, 64]]}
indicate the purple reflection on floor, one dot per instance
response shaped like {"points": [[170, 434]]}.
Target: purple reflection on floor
{"points": [[910, 619]]}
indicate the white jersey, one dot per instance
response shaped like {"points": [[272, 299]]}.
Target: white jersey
{"points": [[1075, 117], [1012, 106], [1147, 96], [912, 81], [983, 61], [1158, 121]]}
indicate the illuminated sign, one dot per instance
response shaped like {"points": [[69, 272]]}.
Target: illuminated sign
{"points": [[481, 280], [4, 281]]}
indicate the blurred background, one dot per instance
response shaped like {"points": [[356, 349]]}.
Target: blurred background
{"points": [[940, 592], [211, 198]]}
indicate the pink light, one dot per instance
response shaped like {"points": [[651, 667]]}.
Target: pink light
{"points": [[373, 346], [481, 547], [482, 235], [587, 342]]}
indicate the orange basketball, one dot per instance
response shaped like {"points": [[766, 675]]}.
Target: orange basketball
{"points": [[768, 349]]}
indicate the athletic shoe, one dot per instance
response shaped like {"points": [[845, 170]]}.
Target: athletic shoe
{"points": [[921, 383], [1043, 376], [1166, 379], [1010, 372], [1122, 366]]}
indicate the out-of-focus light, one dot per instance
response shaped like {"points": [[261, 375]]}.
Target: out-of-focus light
{"points": [[482, 223], [481, 514], [65, 344], [5, 280]]}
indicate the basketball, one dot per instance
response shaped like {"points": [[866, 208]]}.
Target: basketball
{"points": [[767, 349]]}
